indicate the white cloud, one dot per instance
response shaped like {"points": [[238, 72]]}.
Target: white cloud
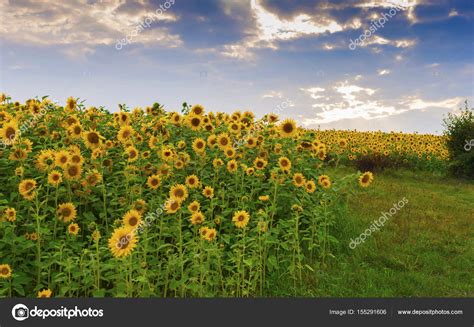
{"points": [[348, 101], [80, 26], [270, 29], [272, 94], [382, 72]]}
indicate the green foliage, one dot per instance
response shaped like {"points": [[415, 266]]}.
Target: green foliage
{"points": [[460, 132]]}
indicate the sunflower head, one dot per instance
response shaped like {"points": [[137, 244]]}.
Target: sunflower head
{"points": [[287, 128], [241, 218], [122, 242], [5, 271], [66, 212]]}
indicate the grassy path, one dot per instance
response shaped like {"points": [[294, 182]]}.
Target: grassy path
{"points": [[425, 249]]}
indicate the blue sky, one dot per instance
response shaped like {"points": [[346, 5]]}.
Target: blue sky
{"points": [[289, 57]]}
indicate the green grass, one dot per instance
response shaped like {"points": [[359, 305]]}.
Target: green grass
{"points": [[425, 249]]}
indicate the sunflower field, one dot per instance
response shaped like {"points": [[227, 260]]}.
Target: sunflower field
{"points": [[141, 203]]}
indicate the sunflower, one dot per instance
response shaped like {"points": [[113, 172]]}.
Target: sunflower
{"points": [[178, 193], [232, 166], [212, 140], [264, 198], [132, 218], [197, 218], [310, 186], [167, 154], [223, 140], [73, 172], [122, 242], [197, 110], [208, 192], [172, 206], [194, 206], [92, 139], [153, 182], [260, 163], [366, 179], [73, 229], [298, 180], [45, 160], [322, 178], [9, 132], [210, 235], [62, 158], [75, 131], [199, 145], [10, 214], [66, 212], [5, 271], [192, 181], [194, 122], [217, 162], [27, 189], [132, 153], [125, 133], [287, 128], [284, 163], [94, 178], [250, 171], [229, 152], [46, 293], [241, 218], [251, 142]]}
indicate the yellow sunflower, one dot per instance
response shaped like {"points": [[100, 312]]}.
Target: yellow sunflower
{"points": [[125, 133], [178, 192], [232, 166], [172, 206], [122, 242], [260, 163], [199, 145], [66, 212], [92, 139], [73, 229], [73, 172], [5, 271], [10, 214], [132, 153], [310, 186], [241, 218], [298, 180], [287, 128], [223, 140], [27, 189], [192, 181], [132, 218], [366, 179], [46, 293], [55, 178], [194, 206], [284, 163], [208, 192], [197, 218], [153, 182]]}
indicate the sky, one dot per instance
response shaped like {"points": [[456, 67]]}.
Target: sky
{"points": [[355, 64]]}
